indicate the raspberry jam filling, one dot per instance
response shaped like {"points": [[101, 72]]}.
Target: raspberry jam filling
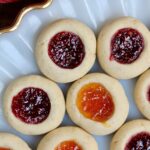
{"points": [[66, 50], [148, 94], [2, 148], [95, 102], [68, 145], [140, 141], [8, 1], [127, 45], [31, 105]]}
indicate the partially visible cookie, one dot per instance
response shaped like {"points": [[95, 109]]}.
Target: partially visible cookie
{"points": [[124, 48], [12, 142], [97, 103], [68, 138], [66, 50], [134, 135], [34, 105], [142, 94]]}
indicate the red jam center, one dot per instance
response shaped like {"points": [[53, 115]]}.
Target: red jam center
{"points": [[68, 145], [126, 46], [141, 141], [95, 102], [2, 148], [66, 50], [31, 105], [148, 94], [8, 1]]}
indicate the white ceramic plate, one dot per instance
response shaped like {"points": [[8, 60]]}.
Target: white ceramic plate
{"points": [[17, 48]]}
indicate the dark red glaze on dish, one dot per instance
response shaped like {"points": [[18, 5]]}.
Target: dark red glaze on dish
{"points": [[66, 50], [8, 1], [31, 105], [127, 45], [9, 12], [140, 141]]}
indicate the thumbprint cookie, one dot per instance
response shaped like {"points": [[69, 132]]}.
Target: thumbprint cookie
{"points": [[124, 48], [97, 103], [66, 50], [142, 94], [68, 138], [34, 105], [134, 135], [12, 142]]}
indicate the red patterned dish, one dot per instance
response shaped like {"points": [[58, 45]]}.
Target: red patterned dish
{"points": [[12, 11]]}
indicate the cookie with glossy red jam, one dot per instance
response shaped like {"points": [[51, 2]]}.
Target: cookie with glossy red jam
{"points": [[34, 105], [12, 142], [142, 93], [134, 135], [68, 138], [96, 106], [124, 48], [65, 50]]}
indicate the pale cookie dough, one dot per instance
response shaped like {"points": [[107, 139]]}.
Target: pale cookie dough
{"points": [[128, 131], [12, 142], [55, 95], [53, 139], [121, 106], [142, 94], [111, 66], [45, 63]]}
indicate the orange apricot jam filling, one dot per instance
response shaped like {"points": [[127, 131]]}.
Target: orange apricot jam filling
{"points": [[95, 102], [2, 148], [68, 145]]}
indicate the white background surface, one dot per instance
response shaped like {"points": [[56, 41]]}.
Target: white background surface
{"points": [[17, 48]]}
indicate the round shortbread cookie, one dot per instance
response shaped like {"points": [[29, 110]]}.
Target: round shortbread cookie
{"points": [[97, 103], [134, 135], [11, 142], [66, 50], [68, 138], [142, 94], [124, 48], [34, 105]]}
